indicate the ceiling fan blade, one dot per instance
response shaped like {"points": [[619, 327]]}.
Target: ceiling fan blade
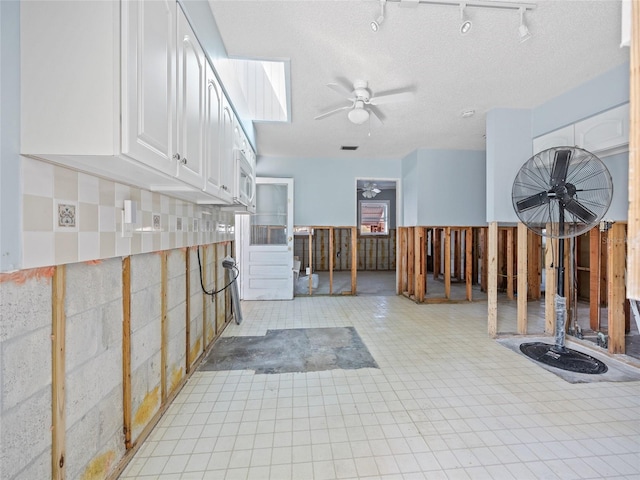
{"points": [[331, 112], [376, 190], [560, 168], [377, 114], [341, 86], [578, 210], [536, 200], [391, 97]]}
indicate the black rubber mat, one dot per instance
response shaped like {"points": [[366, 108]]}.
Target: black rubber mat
{"points": [[292, 350], [568, 359]]}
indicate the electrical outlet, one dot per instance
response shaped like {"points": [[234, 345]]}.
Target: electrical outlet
{"points": [[127, 228]]}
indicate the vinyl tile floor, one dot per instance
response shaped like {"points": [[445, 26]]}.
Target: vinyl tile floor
{"points": [[447, 402]]}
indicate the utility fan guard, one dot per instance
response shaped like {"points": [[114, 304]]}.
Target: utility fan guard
{"points": [[562, 192], [566, 182]]}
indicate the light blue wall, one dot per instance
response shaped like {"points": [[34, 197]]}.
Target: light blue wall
{"points": [[601, 93], [509, 145], [451, 187], [618, 166], [409, 165], [325, 189], [10, 195]]}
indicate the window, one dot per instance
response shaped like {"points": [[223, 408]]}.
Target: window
{"points": [[373, 217]]}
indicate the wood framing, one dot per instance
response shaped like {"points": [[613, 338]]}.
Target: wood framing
{"points": [[534, 248], [447, 262], [187, 267], [163, 327], [509, 261], [550, 285], [411, 261], [58, 407], [126, 351], [594, 279], [522, 279], [468, 262], [633, 254], [492, 279], [401, 262], [420, 264], [354, 260], [310, 246], [484, 271], [436, 252], [457, 253], [616, 287], [331, 257]]}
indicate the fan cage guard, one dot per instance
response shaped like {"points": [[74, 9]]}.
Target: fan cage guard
{"points": [[586, 173]]}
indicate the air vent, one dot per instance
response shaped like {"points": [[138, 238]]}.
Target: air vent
{"points": [[349, 147]]}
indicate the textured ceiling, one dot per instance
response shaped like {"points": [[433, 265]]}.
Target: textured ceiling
{"points": [[420, 48]]}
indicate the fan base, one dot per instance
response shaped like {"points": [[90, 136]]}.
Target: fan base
{"points": [[563, 358]]}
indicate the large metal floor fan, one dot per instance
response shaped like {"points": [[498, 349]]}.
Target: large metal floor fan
{"points": [[561, 193]]}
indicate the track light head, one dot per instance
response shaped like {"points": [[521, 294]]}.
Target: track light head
{"points": [[523, 30], [375, 24], [466, 23]]}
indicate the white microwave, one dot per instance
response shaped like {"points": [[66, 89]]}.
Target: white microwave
{"points": [[245, 178]]}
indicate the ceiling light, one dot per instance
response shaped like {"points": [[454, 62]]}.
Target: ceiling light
{"points": [[468, 113], [375, 24], [358, 115], [523, 30], [466, 23]]}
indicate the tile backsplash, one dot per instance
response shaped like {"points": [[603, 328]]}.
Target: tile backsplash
{"points": [[69, 216]]}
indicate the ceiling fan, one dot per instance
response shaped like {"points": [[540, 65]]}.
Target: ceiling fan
{"points": [[363, 103], [370, 190]]}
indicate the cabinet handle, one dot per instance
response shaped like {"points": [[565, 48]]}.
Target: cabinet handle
{"points": [[176, 156], [184, 160]]}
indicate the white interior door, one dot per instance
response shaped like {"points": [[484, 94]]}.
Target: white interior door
{"points": [[267, 258]]}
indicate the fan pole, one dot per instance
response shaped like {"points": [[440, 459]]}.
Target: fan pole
{"points": [[560, 300]]}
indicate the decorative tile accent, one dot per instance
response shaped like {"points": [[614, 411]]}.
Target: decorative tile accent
{"points": [[156, 222], [66, 215], [179, 224]]}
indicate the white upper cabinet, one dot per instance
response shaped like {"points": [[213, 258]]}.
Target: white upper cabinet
{"points": [[562, 137], [212, 132], [226, 152], [148, 87], [190, 106], [605, 133]]}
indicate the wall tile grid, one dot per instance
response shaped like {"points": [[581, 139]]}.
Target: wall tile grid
{"points": [[69, 216]]}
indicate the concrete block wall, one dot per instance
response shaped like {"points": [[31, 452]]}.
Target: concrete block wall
{"points": [[176, 319], [146, 347], [25, 374], [93, 368], [94, 444]]}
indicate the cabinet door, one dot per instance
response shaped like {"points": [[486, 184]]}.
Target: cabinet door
{"points": [[148, 86], [212, 132], [190, 105], [605, 132], [226, 153], [562, 137]]}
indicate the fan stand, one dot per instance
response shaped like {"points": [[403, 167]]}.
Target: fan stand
{"points": [[558, 355]]}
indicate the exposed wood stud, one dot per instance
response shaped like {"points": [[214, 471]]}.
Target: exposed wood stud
{"points": [[522, 279], [310, 247], [436, 252], [58, 395], [484, 271], [510, 249], [551, 247], [534, 243], [163, 328], [126, 350], [354, 260], [616, 287], [420, 264], [594, 279], [187, 267], [331, 257], [401, 267], [468, 259], [492, 279], [411, 261], [457, 253], [447, 262]]}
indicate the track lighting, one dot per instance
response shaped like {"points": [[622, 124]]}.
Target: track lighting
{"points": [[375, 24], [466, 23], [523, 30]]}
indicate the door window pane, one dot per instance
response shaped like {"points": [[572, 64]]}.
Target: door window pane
{"points": [[269, 223]]}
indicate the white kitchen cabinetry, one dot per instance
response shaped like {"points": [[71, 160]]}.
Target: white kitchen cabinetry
{"points": [[190, 106], [118, 90], [226, 151], [212, 133], [148, 87], [562, 137], [605, 133]]}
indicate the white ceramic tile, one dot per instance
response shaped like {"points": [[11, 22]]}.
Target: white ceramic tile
{"points": [[37, 177], [88, 189], [38, 249], [107, 218], [88, 246]]}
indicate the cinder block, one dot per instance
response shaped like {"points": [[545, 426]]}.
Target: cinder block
{"points": [[88, 285], [27, 304]]}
